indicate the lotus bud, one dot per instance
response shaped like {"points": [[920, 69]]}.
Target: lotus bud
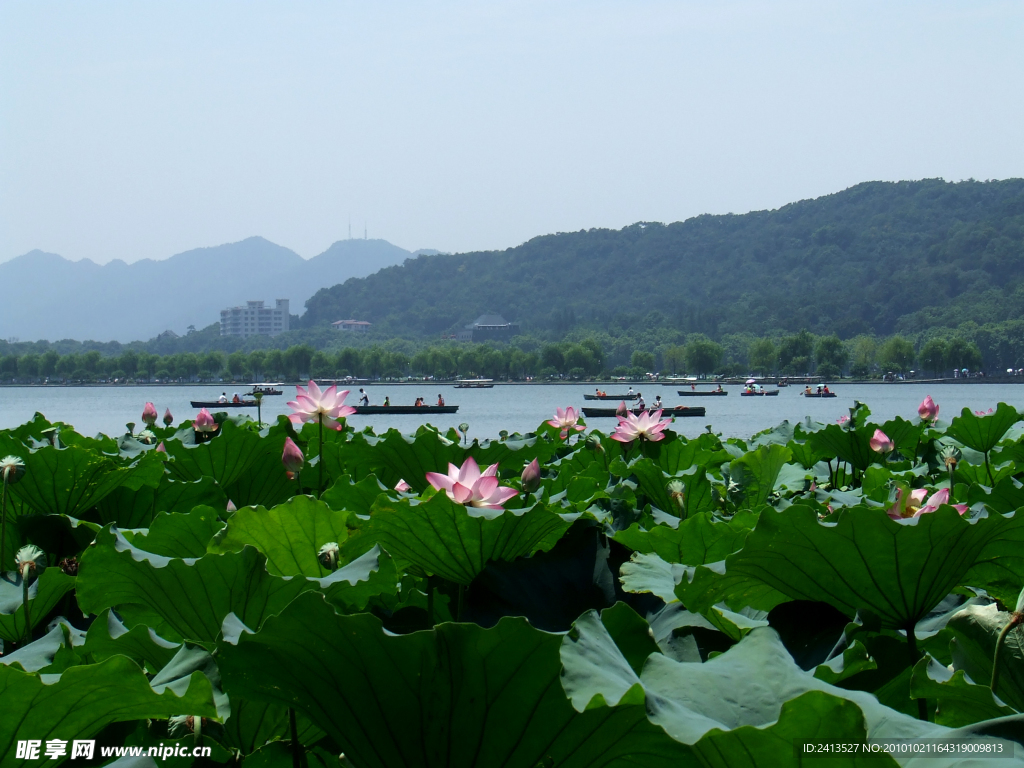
{"points": [[328, 555], [12, 468], [149, 414], [30, 562], [928, 410], [402, 487], [204, 422], [676, 492], [168, 418], [161, 448], [621, 409], [880, 442], [231, 506], [292, 458], [842, 420], [593, 443], [531, 477]]}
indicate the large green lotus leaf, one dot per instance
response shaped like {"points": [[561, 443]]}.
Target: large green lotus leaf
{"points": [[70, 481], [191, 595], [983, 433], [353, 586], [759, 676], [128, 508], [289, 535], [357, 498], [650, 573], [696, 541], [959, 701], [757, 471], [810, 717], [43, 595], [264, 482], [975, 629], [177, 534], [454, 541], [651, 482], [455, 695], [86, 699], [39, 655], [225, 458], [906, 435], [864, 561], [848, 445], [108, 636]]}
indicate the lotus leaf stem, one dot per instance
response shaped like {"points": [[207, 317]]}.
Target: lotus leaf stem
{"points": [[997, 656], [320, 460], [915, 656], [988, 468], [24, 602], [3, 525], [296, 747], [197, 730]]}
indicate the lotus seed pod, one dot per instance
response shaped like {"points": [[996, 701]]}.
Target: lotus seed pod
{"points": [[30, 562], [675, 491], [12, 468], [329, 555]]}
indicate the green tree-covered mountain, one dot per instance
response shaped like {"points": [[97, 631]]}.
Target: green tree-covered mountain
{"points": [[877, 258]]}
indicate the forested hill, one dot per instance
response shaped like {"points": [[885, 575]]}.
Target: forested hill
{"points": [[878, 258]]}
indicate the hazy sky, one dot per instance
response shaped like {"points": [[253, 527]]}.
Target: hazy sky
{"points": [[137, 130]]}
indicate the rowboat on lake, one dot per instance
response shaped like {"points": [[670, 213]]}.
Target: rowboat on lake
{"points": [[677, 412], [702, 393], [627, 396], [265, 389], [218, 406], [773, 393], [818, 394], [403, 410], [474, 383]]}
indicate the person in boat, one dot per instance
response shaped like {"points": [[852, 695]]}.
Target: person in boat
{"points": [[807, 390], [826, 390], [693, 387], [719, 389], [597, 392], [440, 400], [387, 401], [656, 405], [419, 401], [223, 397], [235, 398], [630, 392], [640, 404], [364, 399]]}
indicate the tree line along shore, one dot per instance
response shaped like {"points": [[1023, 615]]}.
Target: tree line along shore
{"points": [[801, 354]]}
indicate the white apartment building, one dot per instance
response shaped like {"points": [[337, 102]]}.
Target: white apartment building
{"points": [[254, 319]]}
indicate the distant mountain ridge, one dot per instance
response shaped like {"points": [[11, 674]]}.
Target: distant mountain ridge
{"points": [[877, 258], [50, 297]]}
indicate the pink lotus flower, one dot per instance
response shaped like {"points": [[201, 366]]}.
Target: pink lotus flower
{"points": [[168, 418], [566, 419], [204, 422], [983, 413], [530, 478], [913, 503], [880, 442], [842, 419], [646, 426], [149, 414], [160, 448], [231, 506], [292, 458], [468, 485], [313, 405], [402, 487], [928, 410]]}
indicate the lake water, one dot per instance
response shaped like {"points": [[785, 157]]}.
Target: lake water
{"points": [[516, 408]]}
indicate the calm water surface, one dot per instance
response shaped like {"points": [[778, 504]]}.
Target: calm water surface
{"points": [[516, 408]]}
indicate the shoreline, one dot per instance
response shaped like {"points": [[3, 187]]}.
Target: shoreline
{"points": [[768, 381]]}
